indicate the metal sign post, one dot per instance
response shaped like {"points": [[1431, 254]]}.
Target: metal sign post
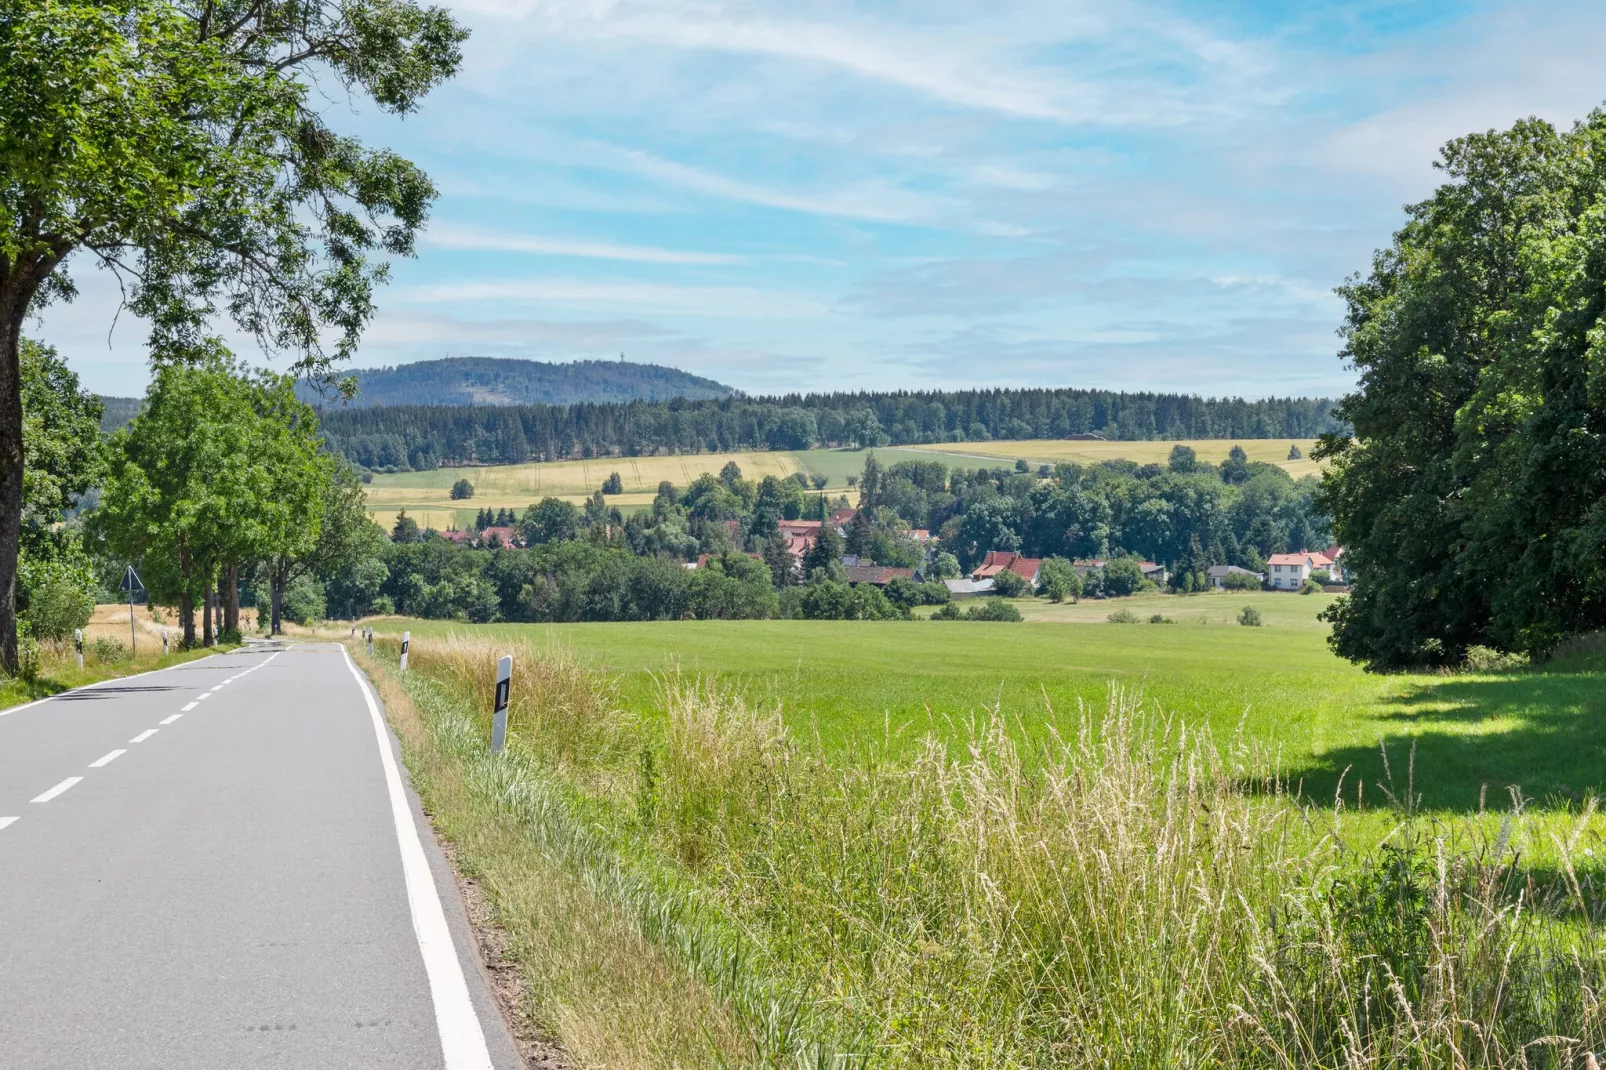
{"points": [[407, 639], [78, 644], [504, 685], [131, 584]]}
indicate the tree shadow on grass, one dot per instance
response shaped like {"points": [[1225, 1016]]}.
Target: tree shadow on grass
{"points": [[1476, 738]]}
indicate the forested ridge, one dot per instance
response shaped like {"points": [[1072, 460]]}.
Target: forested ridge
{"points": [[507, 381], [427, 436]]}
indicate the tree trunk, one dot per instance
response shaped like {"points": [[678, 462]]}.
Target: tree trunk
{"points": [[186, 616], [231, 598], [20, 278], [10, 474], [276, 583], [207, 638]]}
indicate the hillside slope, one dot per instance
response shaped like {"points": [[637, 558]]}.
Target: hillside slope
{"points": [[498, 381]]}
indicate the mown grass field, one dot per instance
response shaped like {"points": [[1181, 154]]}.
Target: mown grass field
{"points": [[857, 683], [427, 495]]}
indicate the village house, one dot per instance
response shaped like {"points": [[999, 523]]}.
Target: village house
{"points": [[1288, 572], [877, 575], [998, 561], [968, 588]]}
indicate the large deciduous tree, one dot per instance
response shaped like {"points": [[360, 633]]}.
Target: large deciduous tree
{"points": [[179, 144], [1471, 499]]}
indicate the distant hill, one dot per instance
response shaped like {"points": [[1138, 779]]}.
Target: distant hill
{"points": [[499, 381], [116, 412]]}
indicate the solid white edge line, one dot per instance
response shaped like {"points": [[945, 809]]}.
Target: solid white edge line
{"points": [[4, 821], [107, 759], [57, 790], [143, 736], [170, 720], [462, 1036]]}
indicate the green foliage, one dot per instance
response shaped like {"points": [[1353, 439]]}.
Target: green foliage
{"points": [[56, 608], [1160, 618], [1058, 581], [1471, 500], [1121, 577], [462, 490], [1183, 459], [944, 566], [1011, 584], [187, 149], [405, 529], [1249, 617], [304, 602], [1310, 586], [1294, 452], [613, 484], [1240, 581], [993, 609], [1122, 616]]}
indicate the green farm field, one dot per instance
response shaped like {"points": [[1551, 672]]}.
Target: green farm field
{"points": [[851, 683]]}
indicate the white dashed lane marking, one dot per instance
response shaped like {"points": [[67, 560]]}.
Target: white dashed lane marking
{"points": [[170, 720], [57, 790], [191, 706], [143, 736], [107, 759], [202, 697], [4, 821]]}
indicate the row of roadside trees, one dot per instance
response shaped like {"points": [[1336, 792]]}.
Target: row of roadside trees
{"points": [[221, 472]]}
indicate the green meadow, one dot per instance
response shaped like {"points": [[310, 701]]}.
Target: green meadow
{"points": [[852, 684]]}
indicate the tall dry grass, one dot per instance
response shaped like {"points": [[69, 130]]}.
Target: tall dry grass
{"points": [[1129, 892]]}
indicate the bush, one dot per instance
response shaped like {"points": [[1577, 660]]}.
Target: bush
{"points": [[57, 608], [1011, 584], [462, 490], [383, 606], [304, 602], [1057, 580], [1310, 587], [949, 611], [1249, 617], [1241, 581], [107, 650], [1321, 577], [1122, 616], [229, 637], [613, 484], [994, 609], [1122, 577], [1161, 618], [1488, 659]]}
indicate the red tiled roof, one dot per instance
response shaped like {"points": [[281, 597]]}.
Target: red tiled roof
{"points": [[1007, 561], [508, 536], [1315, 559]]}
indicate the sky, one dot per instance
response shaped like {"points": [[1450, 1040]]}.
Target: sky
{"points": [[897, 195]]}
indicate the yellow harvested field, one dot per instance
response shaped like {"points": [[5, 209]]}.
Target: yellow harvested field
{"points": [[1211, 450], [427, 495]]}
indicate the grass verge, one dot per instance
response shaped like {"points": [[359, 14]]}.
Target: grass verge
{"points": [[1124, 889], [594, 980], [58, 670]]}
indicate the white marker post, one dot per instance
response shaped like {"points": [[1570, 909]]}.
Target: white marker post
{"points": [[504, 685], [78, 644], [407, 638], [164, 642], [370, 642]]}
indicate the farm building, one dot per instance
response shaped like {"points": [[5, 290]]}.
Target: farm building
{"points": [[1219, 573], [998, 561]]}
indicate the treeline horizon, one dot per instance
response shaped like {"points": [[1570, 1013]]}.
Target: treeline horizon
{"points": [[423, 437]]}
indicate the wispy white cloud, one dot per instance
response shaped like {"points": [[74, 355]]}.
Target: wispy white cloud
{"points": [[457, 236], [727, 301]]}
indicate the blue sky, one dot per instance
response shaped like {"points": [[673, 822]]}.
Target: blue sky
{"points": [[815, 196]]}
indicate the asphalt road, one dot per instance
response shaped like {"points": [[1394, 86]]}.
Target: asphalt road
{"points": [[220, 866]]}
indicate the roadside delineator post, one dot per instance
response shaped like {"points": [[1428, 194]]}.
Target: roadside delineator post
{"points": [[370, 642], [504, 685], [407, 638], [164, 642], [78, 644]]}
